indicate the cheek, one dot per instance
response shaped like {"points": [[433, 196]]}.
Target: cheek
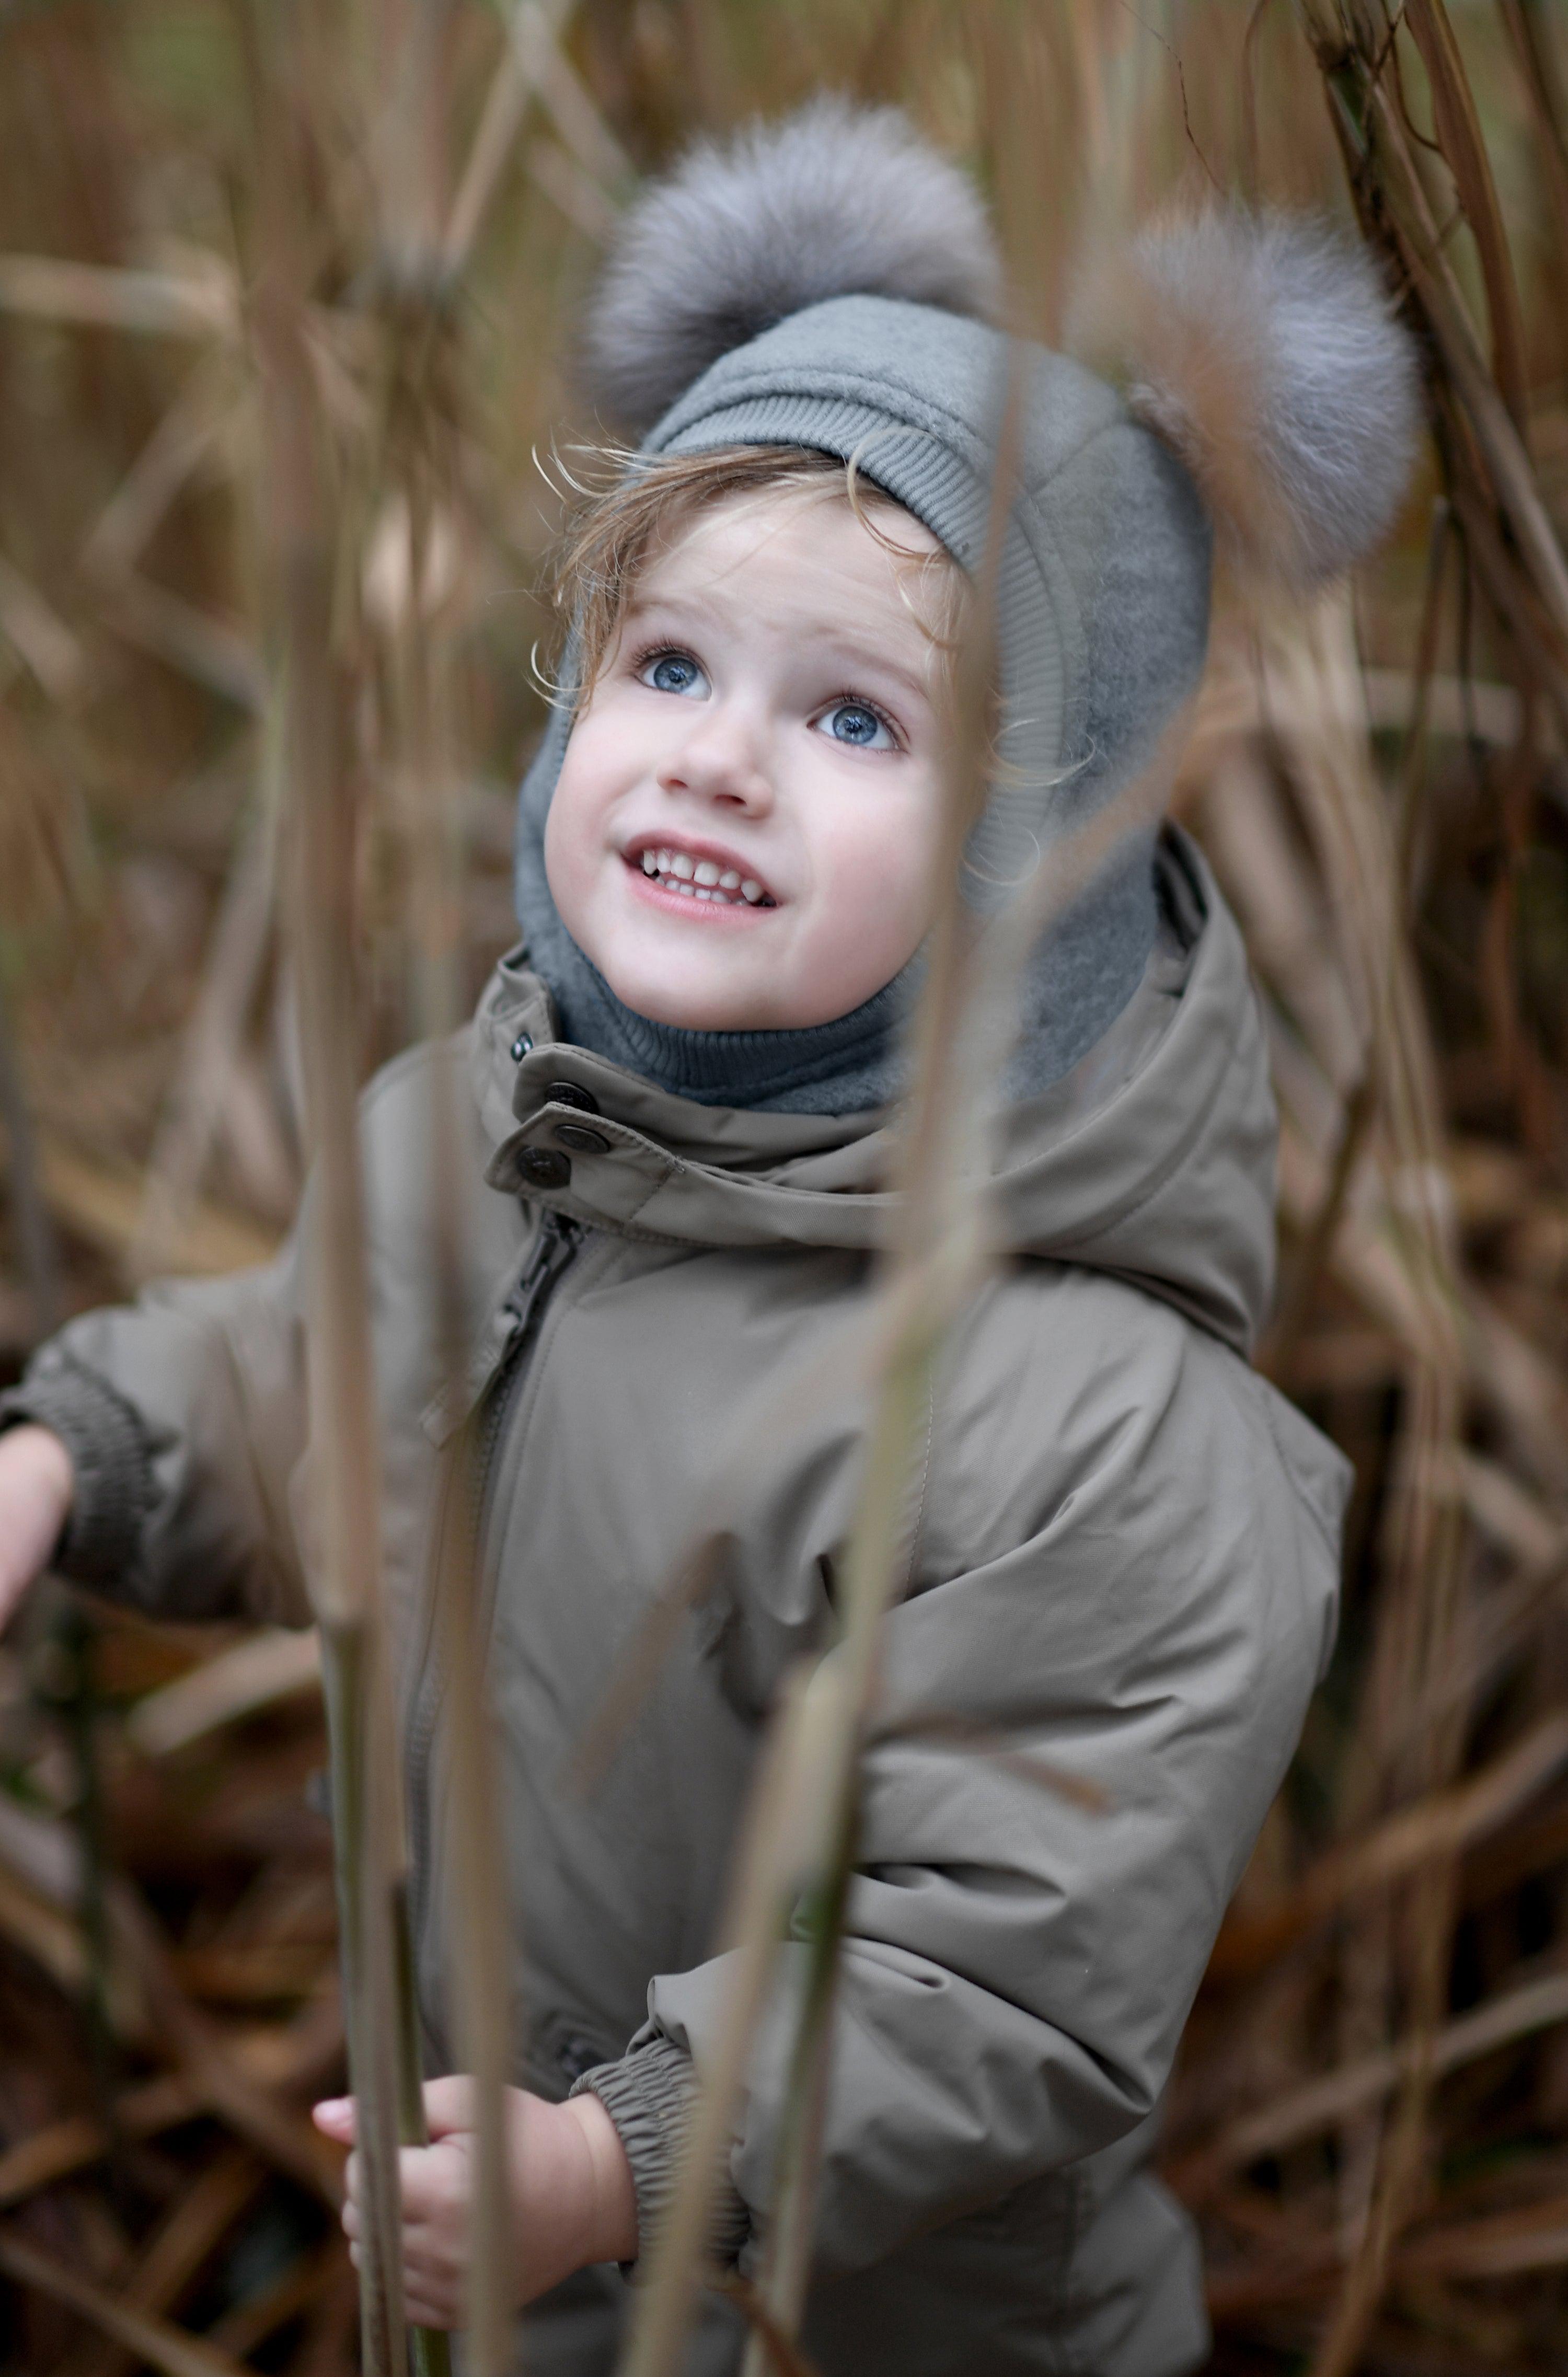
{"points": [[873, 870], [573, 830]]}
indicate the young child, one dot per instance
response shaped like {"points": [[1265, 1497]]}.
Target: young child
{"points": [[1126, 1548]]}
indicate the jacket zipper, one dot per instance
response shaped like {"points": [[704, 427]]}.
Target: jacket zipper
{"points": [[559, 1239], [552, 1252]]}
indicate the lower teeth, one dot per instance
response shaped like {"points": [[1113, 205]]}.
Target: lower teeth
{"points": [[702, 891]]}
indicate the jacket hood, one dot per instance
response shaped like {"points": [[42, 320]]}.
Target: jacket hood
{"points": [[1152, 1161]]}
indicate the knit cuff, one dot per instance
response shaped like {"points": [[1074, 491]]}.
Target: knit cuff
{"points": [[112, 1480], [649, 2095]]}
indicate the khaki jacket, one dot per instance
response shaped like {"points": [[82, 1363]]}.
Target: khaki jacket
{"points": [[1125, 1561]]}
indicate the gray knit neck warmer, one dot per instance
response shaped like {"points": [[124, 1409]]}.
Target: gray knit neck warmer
{"points": [[823, 283]]}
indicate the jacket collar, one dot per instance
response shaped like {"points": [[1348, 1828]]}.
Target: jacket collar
{"points": [[1161, 1172]]}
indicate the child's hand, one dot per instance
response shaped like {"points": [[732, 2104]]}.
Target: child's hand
{"points": [[36, 1484], [572, 2199]]}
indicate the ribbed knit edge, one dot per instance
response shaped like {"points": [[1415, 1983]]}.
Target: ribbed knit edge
{"points": [[112, 1487], [850, 1065], [648, 2096]]}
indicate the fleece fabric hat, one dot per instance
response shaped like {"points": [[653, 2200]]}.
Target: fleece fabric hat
{"points": [[830, 283]]}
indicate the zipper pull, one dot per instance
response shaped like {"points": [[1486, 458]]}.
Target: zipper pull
{"points": [[553, 1249]]}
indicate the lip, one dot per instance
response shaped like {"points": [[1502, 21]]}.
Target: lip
{"points": [[719, 854]]}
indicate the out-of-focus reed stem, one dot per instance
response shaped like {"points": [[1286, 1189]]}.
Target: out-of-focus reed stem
{"points": [[1112, 100], [430, 2355], [506, 103], [79, 1708], [936, 1232], [424, 238], [769, 1875], [1397, 209], [301, 513], [848, 1683], [962, 1031], [810, 1783], [35, 1227], [366, 1888]]}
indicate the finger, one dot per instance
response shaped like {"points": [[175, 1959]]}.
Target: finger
{"points": [[427, 2311], [436, 2259], [350, 2178], [435, 2278], [432, 2183], [433, 2285], [448, 2105], [350, 2219], [337, 2116]]}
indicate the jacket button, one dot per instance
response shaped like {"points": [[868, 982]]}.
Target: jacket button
{"points": [[521, 1045], [580, 1140], [567, 1094], [543, 1168]]}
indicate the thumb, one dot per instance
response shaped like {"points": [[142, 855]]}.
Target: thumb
{"points": [[337, 2116], [449, 2106]]}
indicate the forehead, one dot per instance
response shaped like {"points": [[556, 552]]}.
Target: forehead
{"points": [[808, 547]]}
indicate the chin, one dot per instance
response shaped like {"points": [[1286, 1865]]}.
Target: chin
{"points": [[696, 1001], [685, 1006], [693, 1013]]}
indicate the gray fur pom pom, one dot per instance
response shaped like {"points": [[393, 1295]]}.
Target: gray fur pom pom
{"points": [[833, 201], [1264, 351]]}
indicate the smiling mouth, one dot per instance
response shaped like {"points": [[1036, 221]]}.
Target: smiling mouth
{"points": [[701, 880]]}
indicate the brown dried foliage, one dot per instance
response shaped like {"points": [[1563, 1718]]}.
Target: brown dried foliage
{"points": [[1371, 2111]]}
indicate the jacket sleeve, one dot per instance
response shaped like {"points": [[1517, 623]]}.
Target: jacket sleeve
{"points": [[1018, 1964], [183, 1418]]}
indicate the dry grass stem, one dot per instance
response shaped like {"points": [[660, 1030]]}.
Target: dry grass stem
{"points": [[269, 550]]}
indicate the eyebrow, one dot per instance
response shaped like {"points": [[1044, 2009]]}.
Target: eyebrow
{"points": [[847, 647]]}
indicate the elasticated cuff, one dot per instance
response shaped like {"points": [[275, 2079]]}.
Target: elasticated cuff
{"points": [[648, 2095], [112, 1487]]}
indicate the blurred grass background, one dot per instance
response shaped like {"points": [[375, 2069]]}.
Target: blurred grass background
{"points": [[1371, 2114]]}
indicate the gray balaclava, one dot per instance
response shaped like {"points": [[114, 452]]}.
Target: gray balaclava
{"points": [[830, 283]]}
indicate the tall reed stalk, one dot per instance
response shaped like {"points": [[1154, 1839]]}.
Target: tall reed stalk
{"points": [[798, 1863], [366, 1802], [1380, 793], [411, 468]]}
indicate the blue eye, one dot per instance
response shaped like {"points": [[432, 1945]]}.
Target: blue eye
{"points": [[674, 672], [859, 723]]}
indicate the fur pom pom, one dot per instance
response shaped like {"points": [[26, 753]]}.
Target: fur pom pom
{"points": [[834, 201], [1263, 351]]}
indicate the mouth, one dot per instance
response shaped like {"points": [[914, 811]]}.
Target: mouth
{"points": [[699, 875]]}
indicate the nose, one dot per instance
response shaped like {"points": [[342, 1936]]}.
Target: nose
{"points": [[718, 759]]}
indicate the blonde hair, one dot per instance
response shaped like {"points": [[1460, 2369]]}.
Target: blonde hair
{"points": [[620, 526]]}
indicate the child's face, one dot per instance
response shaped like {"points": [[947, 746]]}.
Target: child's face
{"points": [[742, 831]]}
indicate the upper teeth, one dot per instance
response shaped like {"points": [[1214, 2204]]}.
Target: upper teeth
{"points": [[702, 878]]}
